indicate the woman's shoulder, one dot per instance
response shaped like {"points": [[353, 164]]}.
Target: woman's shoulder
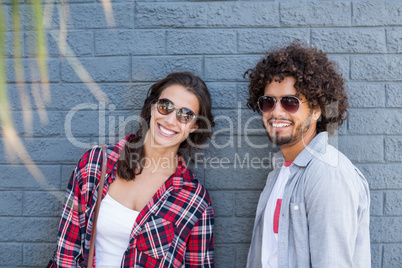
{"points": [[193, 185], [94, 155]]}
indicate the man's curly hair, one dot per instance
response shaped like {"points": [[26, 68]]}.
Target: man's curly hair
{"points": [[317, 78]]}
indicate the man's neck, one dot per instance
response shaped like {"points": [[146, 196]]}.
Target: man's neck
{"points": [[290, 152]]}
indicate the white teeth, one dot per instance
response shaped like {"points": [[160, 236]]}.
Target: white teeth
{"points": [[164, 130], [280, 125]]}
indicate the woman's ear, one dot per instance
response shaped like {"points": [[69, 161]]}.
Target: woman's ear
{"points": [[194, 128]]}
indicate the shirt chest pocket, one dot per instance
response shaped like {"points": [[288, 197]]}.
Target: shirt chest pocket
{"points": [[155, 237]]}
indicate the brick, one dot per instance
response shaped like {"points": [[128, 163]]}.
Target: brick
{"points": [[70, 1], [100, 122], [376, 203], [197, 170], [342, 129], [242, 95], [122, 96], [376, 68], [241, 254], [113, 69], [8, 2], [357, 150], [216, 67], [223, 95], [385, 229], [377, 13], [9, 45], [342, 64], [223, 203], [66, 97], [246, 203], [13, 95], [230, 231], [392, 256], [365, 95], [51, 20], [226, 122], [251, 124], [236, 178], [31, 71], [393, 204], [221, 256], [10, 203], [376, 256], [155, 68], [218, 153], [378, 121], [258, 151], [394, 40], [393, 149], [200, 41], [11, 254], [77, 1], [7, 17], [38, 254], [92, 16], [43, 203], [127, 96], [80, 43], [235, 14], [154, 15], [66, 171], [119, 125], [349, 40], [35, 127], [382, 176], [311, 14], [18, 177], [394, 95], [24, 229], [126, 42], [52, 150], [263, 40]]}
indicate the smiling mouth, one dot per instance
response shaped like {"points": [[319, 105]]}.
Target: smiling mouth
{"points": [[166, 131], [280, 125]]}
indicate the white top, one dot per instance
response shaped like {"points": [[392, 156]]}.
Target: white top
{"points": [[113, 229], [269, 254]]}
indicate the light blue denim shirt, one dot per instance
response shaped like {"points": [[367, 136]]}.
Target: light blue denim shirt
{"points": [[325, 213]]}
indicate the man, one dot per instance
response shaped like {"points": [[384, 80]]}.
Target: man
{"points": [[314, 209]]}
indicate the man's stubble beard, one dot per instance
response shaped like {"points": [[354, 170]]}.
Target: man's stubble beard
{"points": [[300, 130]]}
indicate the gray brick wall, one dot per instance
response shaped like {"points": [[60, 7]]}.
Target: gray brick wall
{"points": [[217, 40]]}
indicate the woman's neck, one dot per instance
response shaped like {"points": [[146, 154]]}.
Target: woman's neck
{"points": [[160, 159]]}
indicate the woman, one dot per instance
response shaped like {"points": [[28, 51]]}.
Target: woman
{"points": [[154, 212]]}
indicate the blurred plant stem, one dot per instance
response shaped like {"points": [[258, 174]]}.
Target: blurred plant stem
{"points": [[39, 88], [14, 147]]}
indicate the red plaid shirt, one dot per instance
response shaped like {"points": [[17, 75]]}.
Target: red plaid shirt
{"points": [[173, 230]]}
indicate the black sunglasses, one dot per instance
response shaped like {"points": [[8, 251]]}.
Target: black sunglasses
{"points": [[289, 103], [165, 107]]}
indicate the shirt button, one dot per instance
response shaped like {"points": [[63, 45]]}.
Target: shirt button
{"points": [[296, 207]]}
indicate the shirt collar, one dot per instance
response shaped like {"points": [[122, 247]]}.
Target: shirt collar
{"points": [[315, 148], [182, 176], [113, 155]]}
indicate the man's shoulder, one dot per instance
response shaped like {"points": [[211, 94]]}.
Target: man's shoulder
{"points": [[330, 159], [332, 164]]}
